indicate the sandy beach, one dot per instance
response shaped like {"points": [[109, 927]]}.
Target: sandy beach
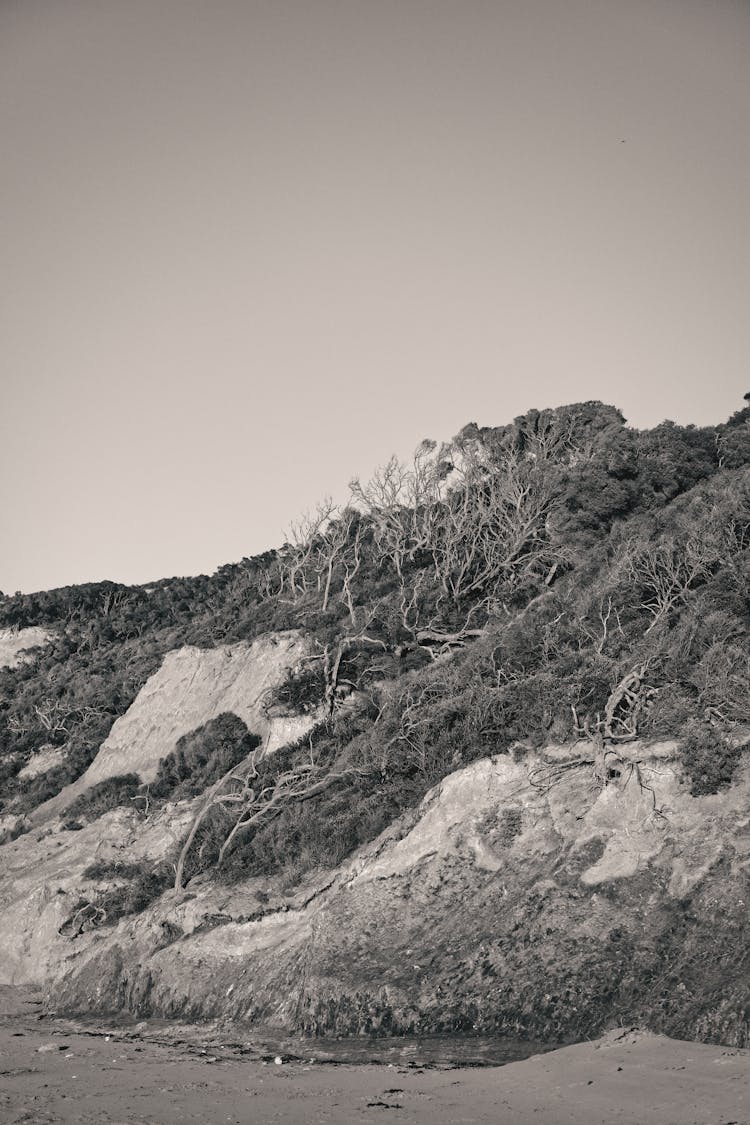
{"points": [[53, 1070]]}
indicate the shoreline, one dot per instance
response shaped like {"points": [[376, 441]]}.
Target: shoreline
{"points": [[59, 1070], [258, 1043]]}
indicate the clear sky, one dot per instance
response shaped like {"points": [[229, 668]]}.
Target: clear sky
{"points": [[252, 247]]}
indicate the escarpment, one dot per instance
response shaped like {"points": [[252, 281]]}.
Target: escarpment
{"points": [[520, 898], [469, 753]]}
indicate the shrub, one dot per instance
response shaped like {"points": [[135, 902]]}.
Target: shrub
{"points": [[133, 886], [669, 712], [202, 757], [709, 760], [105, 796], [303, 689]]}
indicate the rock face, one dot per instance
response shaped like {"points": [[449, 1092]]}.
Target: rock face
{"points": [[524, 897], [41, 880], [191, 687], [14, 644]]}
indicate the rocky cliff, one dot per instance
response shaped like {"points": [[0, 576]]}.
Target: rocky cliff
{"points": [[530, 897]]}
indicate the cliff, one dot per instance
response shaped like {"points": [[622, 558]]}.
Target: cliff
{"points": [[468, 753], [523, 897]]}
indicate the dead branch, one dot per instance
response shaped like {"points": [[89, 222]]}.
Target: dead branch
{"points": [[447, 640], [667, 572], [251, 806], [209, 803], [622, 711], [332, 659]]}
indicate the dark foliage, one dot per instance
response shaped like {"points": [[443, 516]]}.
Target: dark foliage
{"points": [[709, 760], [104, 797], [128, 887], [202, 757]]}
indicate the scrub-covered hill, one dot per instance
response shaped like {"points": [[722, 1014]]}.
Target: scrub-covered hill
{"points": [[466, 753]]}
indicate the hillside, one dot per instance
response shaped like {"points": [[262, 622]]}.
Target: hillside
{"points": [[466, 754]]}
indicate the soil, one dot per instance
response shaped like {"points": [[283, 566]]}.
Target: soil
{"points": [[155, 1073]]}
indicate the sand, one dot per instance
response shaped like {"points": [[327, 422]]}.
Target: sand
{"points": [[52, 1070]]}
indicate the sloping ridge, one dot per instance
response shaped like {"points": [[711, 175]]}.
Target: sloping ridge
{"points": [[191, 687]]}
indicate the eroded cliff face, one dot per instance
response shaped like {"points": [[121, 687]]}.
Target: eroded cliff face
{"points": [[42, 872], [16, 644], [530, 897], [42, 879], [191, 687]]}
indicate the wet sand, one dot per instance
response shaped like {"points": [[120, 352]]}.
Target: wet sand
{"points": [[57, 1071]]}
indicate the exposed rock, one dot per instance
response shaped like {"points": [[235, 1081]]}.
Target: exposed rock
{"points": [[15, 644], [524, 898], [42, 877], [191, 687]]}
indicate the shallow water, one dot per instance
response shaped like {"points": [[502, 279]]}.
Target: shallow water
{"points": [[434, 1050], [225, 1039]]}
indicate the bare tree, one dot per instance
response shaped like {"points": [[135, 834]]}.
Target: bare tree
{"points": [[296, 557], [608, 617], [247, 804], [338, 547], [415, 706], [479, 518], [270, 581], [351, 563], [401, 501], [54, 716], [492, 526], [332, 657], [668, 571]]}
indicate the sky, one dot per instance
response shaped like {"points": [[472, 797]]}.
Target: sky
{"points": [[250, 248]]}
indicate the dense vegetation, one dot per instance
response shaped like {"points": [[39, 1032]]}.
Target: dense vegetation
{"points": [[559, 577]]}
